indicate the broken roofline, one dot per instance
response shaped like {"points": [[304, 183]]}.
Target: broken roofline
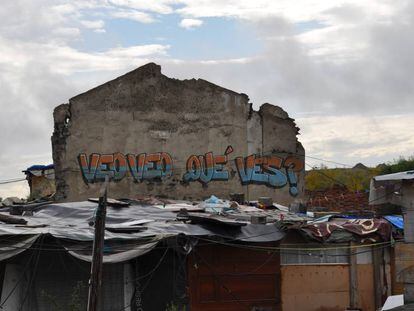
{"points": [[153, 70], [70, 224], [171, 116]]}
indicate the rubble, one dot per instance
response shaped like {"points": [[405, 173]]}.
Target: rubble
{"points": [[12, 200]]}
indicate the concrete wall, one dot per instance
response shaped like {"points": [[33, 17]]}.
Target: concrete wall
{"points": [[155, 136]]}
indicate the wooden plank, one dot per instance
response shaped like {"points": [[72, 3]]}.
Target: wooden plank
{"points": [[315, 287], [376, 260], [353, 278], [366, 287], [404, 251], [404, 262]]}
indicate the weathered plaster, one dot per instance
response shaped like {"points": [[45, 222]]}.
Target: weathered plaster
{"points": [[144, 111]]}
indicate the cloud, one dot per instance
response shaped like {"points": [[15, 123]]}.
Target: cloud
{"points": [[133, 15], [19, 189], [350, 67], [95, 25], [293, 11], [160, 6], [28, 94], [190, 23], [342, 68], [352, 139], [40, 68], [62, 59]]}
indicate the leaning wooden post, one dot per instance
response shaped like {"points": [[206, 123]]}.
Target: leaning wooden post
{"points": [[95, 281]]}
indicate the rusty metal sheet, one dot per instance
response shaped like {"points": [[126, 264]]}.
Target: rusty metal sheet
{"points": [[228, 278], [361, 227]]}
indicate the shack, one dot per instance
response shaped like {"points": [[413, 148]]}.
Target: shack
{"points": [[41, 179], [212, 255], [398, 189]]}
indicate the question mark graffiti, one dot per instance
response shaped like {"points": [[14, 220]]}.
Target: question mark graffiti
{"points": [[293, 165]]}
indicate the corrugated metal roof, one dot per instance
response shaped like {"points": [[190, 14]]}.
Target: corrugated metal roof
{"points": [[395, 176]]}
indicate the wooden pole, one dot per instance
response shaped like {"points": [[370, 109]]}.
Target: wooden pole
{"points": [[95, 281]]}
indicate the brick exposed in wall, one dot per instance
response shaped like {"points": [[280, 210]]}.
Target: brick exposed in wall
{"points": [[337, 199]]}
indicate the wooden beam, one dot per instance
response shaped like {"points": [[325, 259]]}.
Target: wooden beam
{"points": [[376, 261], [95, 282]]}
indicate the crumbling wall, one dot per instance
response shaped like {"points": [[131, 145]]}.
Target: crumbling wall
{"points": [[179, 139], [41, 186]]}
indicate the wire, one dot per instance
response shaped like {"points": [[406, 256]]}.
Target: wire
{"points": [[33, 275], [3, 182], [270, 248], [327, 176], [338, 181], [18, 282], [328, 161], [145, 275], [127, 246], [25, 269], [255, 269], [184, 167], [219, 280], [153, 271]]}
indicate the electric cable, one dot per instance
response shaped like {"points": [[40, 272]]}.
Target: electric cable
{"points": [[184, 167], [25, 269], [33, 275], [231, 293], [147, 274]]}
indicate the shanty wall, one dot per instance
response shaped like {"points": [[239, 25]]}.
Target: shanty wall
{"points": [[187, 139], [312, 281], [325, 287], [233, 278]]}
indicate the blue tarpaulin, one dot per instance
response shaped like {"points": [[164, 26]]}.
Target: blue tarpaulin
{"points": [[396, 221], [39, 168]]}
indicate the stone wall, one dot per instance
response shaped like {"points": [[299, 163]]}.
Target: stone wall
{"points": [[177, 139]]}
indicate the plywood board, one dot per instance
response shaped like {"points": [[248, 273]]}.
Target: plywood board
{"points": [[315, 287]]}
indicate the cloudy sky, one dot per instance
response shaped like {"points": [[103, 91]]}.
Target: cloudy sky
{"points": [[342, 69]]}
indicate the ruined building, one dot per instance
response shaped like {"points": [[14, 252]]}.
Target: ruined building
{"points": [[189, 139], [41, 179]]}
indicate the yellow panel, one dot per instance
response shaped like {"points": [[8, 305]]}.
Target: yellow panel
{"points": [[366, 298], [315, 288]]}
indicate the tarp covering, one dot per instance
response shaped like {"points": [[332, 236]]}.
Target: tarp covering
{"points": [[396, 221], [12, 246], [70, 224], [360, 227]]}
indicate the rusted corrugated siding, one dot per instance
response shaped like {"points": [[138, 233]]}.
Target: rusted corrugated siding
{"points": [[228, 278]]}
